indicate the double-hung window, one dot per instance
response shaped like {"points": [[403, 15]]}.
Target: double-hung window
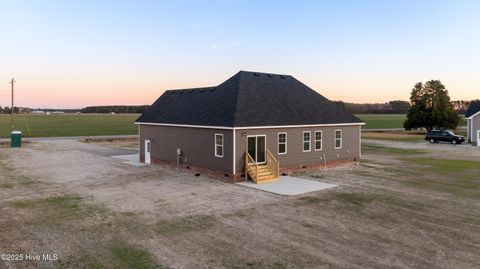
{"points": [[306, 141], [218, 145], [318, 140], [338, 139], [282, 143]]}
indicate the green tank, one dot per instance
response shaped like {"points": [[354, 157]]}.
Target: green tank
{"points": [[16, 139]]}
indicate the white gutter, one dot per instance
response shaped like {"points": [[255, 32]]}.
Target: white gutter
{"points": [[248, 127]]}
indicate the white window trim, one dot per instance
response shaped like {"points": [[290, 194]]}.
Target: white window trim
{"points": [[335, 138], [309, 141], [215, 143], [278, 143], [315, 140]]}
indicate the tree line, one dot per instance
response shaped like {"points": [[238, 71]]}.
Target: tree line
{"points": [[394, 107], [114, 109], [391, 107], [8, 110], [90, 109]]}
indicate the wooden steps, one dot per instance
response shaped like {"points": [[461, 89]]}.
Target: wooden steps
{"points": [[265, 174], [262, 173]]}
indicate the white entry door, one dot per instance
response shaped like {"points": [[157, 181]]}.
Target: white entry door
{"points": [[478, 138], [148, 150]]}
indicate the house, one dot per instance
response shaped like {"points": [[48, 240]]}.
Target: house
{"points": [[252, 124], [473, 123]]}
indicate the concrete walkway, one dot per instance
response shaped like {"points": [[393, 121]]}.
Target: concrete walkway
{"points": [[132, 159], [287, 185]]}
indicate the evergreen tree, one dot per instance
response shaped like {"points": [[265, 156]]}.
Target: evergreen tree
{"points": [[431, 107]]}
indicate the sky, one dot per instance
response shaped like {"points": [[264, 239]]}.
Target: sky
{"points": [[77, 53]]}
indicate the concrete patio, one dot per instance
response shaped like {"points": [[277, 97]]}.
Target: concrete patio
{"points": [[287, 185]]}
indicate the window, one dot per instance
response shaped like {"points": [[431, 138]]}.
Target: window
{"points": [[218, 145], [338, 139], [306, 141], [282, 143], [318, 140]]}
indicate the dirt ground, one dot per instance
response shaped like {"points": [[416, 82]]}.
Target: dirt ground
{"points": [[405, 206]]}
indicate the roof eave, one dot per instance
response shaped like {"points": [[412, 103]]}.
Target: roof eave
{"points": [[250, 127], [473, 116]]}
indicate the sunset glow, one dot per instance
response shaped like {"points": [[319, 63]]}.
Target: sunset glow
{"points": [[72, 54]]}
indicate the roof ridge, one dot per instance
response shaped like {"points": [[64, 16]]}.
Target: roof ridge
{"points": [[188, 89], [235, 104], [263, 73]]}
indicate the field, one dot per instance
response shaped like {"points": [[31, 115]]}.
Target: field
{"points": [[394, 135], [70, 125], [122, 124], [390, 121], [407, 205], [382, 121]]}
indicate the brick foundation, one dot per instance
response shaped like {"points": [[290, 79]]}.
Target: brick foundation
{"points": [[224, 176], [317, 166], [307, 167], [228, 177]]}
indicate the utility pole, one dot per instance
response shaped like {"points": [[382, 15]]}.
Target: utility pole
{"points": [[12, 110]]}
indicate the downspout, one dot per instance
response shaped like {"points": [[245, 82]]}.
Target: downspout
{"points": [[139, 144], [234, 152], [471, 130], [360, 144]]}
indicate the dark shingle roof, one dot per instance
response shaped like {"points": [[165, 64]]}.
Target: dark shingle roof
{"points": [[247, 99], [473, 108]]}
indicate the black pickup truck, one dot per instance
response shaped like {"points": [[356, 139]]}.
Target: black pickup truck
{"points": [[434, 136]]}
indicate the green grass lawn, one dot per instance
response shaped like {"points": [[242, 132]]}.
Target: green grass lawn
{"points": [[122, 124], [392, 150], [382, 121], [390, 121], [446, 165], [70, 125]]}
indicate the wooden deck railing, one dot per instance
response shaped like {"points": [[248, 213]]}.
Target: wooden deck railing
{"points": [[251, 167], [273, 164]]}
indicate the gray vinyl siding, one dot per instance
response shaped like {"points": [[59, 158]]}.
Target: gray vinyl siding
{"points": [[469, 130], [295, 155], [197, 144], [476, 127]]}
